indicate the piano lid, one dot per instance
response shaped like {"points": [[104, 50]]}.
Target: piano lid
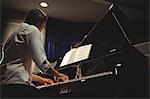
{"points": [[107, 35]]}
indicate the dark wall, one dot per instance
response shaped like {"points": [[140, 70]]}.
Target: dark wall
{"points": [[3, 21], [138, 31], [61, 35], [67, 31]]}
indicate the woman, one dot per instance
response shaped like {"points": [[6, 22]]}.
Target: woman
{"points": [[22, 47]]}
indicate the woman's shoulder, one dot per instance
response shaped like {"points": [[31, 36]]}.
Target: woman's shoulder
{"points": [[28, 29]]}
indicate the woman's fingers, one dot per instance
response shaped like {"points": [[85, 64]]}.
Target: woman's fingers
{"points": [[63, 78], [47, 81]]}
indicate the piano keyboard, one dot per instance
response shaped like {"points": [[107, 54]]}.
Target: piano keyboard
{"points": [[78, 79]]}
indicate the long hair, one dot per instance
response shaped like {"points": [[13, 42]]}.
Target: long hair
{"points": [[35, 17]]}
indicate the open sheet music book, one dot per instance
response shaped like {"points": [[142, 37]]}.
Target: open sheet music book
{"points": [[76, 54]]}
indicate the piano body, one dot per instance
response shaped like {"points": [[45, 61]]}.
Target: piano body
{"points": [[125, 68]]}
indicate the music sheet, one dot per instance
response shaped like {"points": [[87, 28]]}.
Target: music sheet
{"points": [[76, 54]]}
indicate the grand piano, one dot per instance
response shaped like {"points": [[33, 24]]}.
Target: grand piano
{"points": [[115, 69]]}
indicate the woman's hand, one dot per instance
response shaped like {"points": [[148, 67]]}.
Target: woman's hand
{"points": [[59, 76], [46, 81], [62, 77], [42, 80]]}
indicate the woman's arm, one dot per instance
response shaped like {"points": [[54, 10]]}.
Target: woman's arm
{"points": [[39, 56]]}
